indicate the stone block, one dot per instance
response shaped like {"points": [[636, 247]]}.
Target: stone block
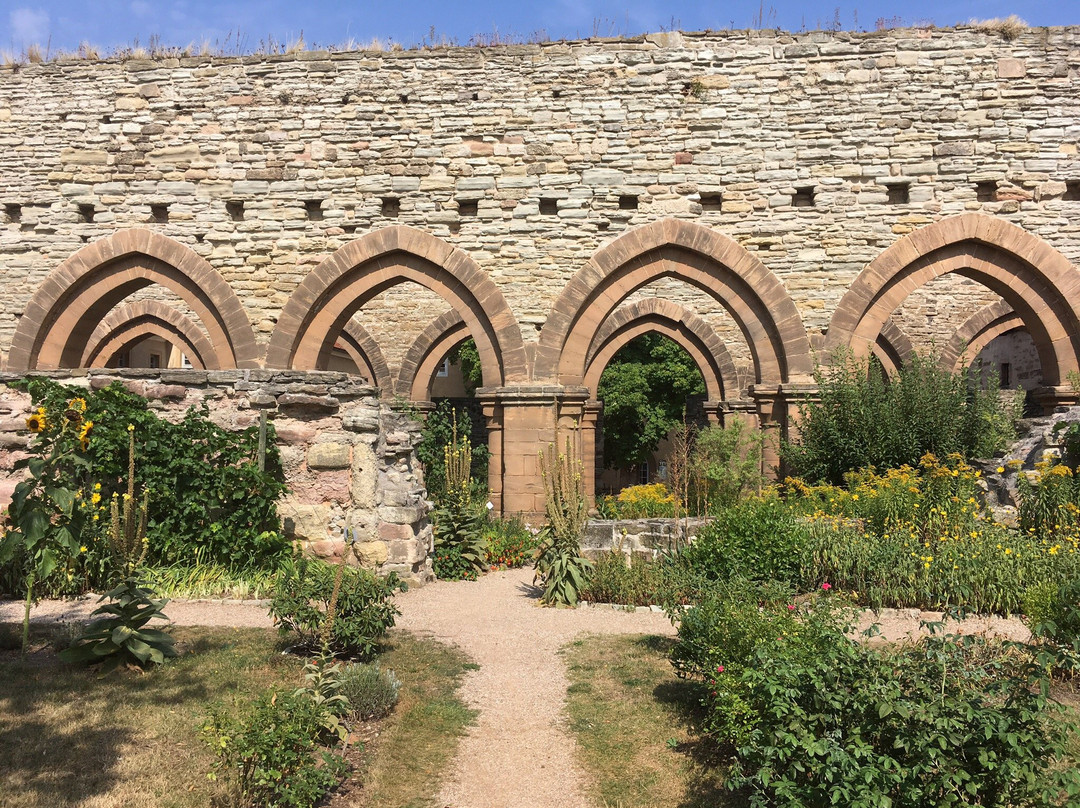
{"points": [[307, 403], [328, 456], [372, 554], [1011, 69], [364, 474], [303, 521]]}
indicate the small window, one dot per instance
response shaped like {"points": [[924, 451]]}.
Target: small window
{"points": [[803, 198], [444, 369], [984, 191], [712, 202], [643, 473], [235, 209], [122, 360], [155, 360], [391, 206], [1005, 376], [468, 207], [628, 202], [185, 362], [898, 193], [313, 209], [549, 207], [661, 470]]}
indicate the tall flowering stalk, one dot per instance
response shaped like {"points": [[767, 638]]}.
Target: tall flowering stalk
{"points": [[559, 563]]}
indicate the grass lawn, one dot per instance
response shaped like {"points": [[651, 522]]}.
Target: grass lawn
{"points": [[633, 721], [69, 737]]}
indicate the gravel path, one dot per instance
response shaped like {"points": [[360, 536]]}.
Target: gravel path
{"points": [[519, 753]]}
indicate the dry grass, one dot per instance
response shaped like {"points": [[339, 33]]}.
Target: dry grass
{"points": [[633, 721], [71, 738], [1009, 28]]}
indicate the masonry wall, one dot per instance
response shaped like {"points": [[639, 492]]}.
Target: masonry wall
{"points": [[265, 165], [348, 459]]}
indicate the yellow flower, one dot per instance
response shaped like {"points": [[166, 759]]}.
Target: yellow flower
{"points": [[77, 404], [82, 549], [1000, 469], [37, 422], [95, 498]]}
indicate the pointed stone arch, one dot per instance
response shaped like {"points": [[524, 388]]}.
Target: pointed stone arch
{"points": [[323, 303], [682, 325], [135, 321], [978, 331], [425, 354], [708, 260], [1039, 283], [892, 348], [366, 354], [70, 303]]}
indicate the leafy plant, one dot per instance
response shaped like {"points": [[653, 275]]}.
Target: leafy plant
{"points": [[559, 563], [276, 754], [726, 464], [442, 427], [509, 543], [460, 546], [45, 525], [861, 420], [119, 634], [372, 693], [363, 610]]}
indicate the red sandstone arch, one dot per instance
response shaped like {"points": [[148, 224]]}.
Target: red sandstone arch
{"points": [[892, 348], [427, 352], [129, 324], [978, 331], [683, 326], [339, 286], [70, 303], [366, 355], [1038, 282], [712, 262]]}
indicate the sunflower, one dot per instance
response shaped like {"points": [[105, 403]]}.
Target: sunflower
{"points": [[37, 421], [77, 404], [84, 436]]}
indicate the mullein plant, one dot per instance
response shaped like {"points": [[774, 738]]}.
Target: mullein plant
{"points": [[560, 566], [118, 632]]}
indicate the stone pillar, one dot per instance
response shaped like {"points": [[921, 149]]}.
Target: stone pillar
{"points": [[1050, 398], [770, 416], [493, 419]]}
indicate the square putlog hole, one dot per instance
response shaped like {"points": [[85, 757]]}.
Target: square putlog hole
{"points": [[712, 202], [391, 207], [468, 207], [628, 202], [898, 193], [313, 209], [235, 209], [549, 207], [803, 198]]}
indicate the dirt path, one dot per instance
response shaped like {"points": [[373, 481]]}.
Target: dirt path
{"points": [[519, 754]]}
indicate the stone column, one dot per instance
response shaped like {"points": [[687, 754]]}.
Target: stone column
{"points": [[493, 420]]}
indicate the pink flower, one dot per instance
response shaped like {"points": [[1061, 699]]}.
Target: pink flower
{"points": [[826, 586], [719, 668], [791, 607]]}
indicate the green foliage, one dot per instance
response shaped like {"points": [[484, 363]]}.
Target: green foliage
{"points": [[208, 501], [644, 389], [726, 464], [467, 355], [559, 563], [510, 543], [447, 425], [364, 610], [1050, 503], [1053, 613], [119, 634], [861, 420], [950, 721], [276, 755], [760, 539], [640, 581], [460, 547], [372, 693]]}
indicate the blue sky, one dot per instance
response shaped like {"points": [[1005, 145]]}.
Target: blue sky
{"points": [[63, 24]]}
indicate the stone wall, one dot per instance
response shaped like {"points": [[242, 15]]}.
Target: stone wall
{"points": [[648, 537], [530, 158], [348, 459]]}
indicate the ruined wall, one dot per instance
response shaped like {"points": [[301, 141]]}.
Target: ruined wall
{"points": [[814, 151], [348, 460]]}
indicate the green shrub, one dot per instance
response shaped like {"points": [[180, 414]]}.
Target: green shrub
{"points": [[726, 464], [950, 721], [509, 543], [640, 581], [559, 563], [860, 420], [119, 635], [460, 546], [277, 753], [448, 425], [364, 609], [372, 693], [759, 539], [1053, 613]]}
